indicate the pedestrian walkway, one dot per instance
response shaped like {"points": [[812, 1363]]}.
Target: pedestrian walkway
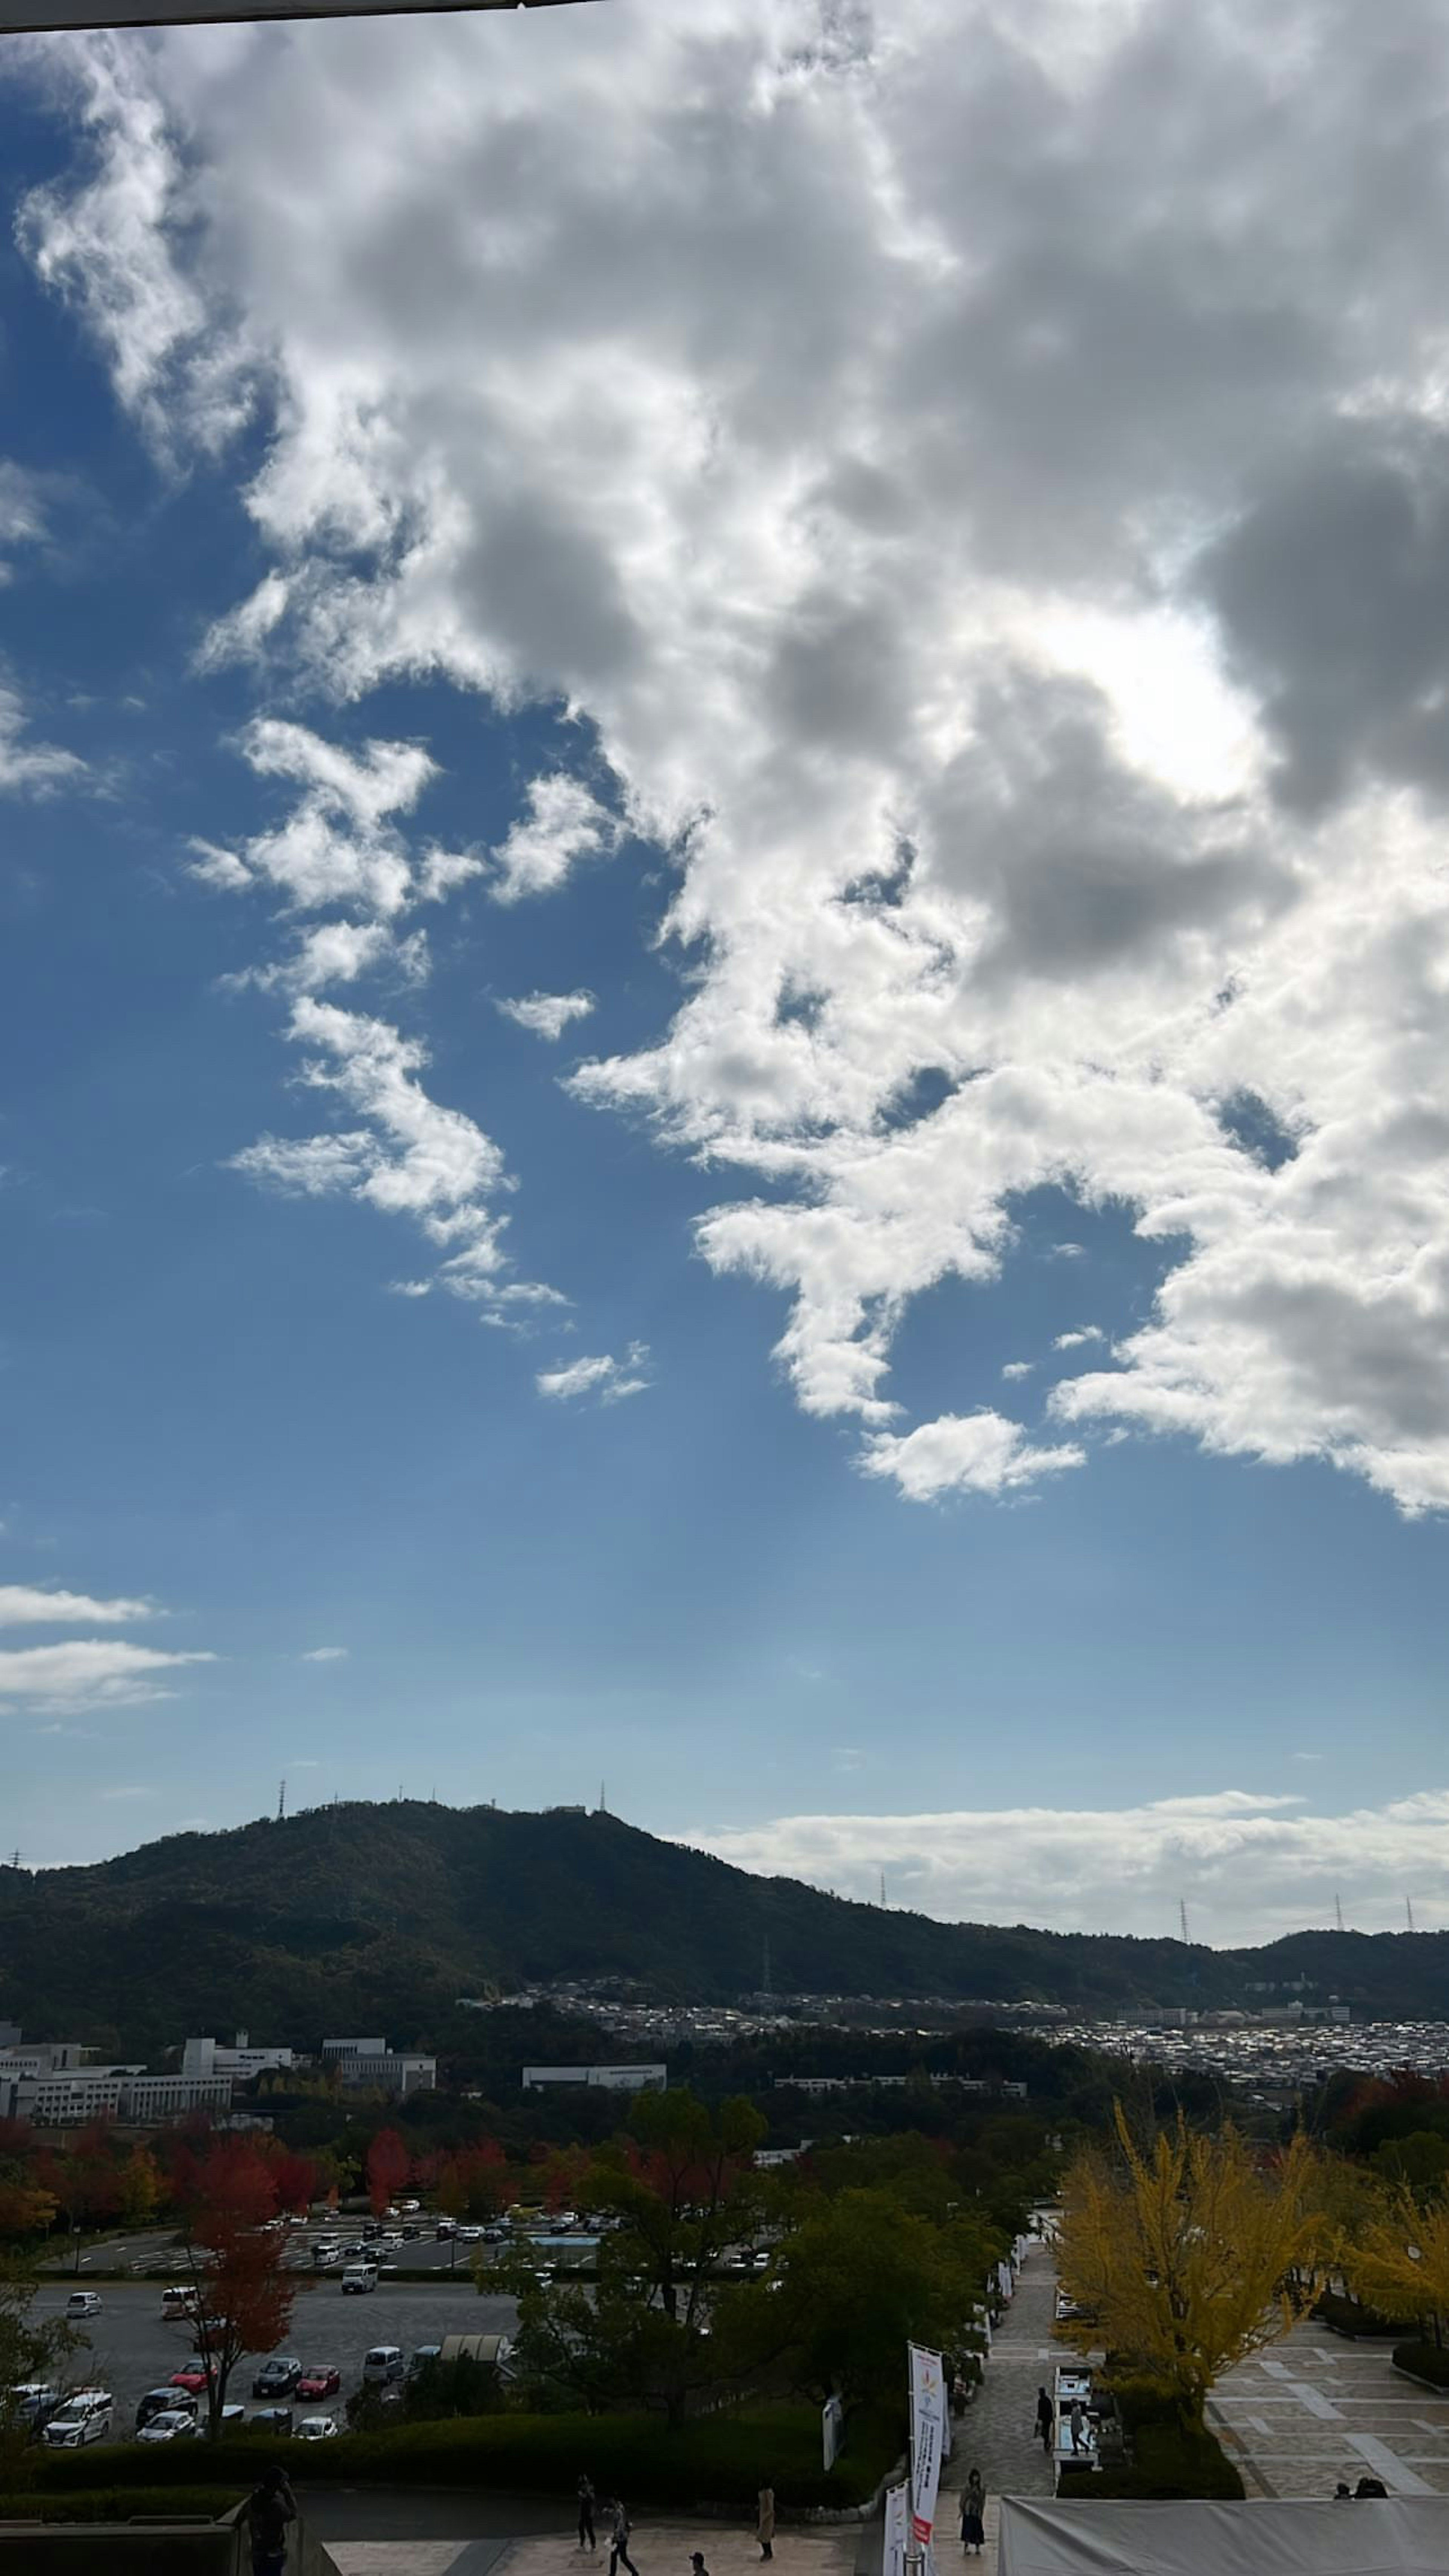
{"points": [[663, 2547], [996, 2435], [1317, 2409]]}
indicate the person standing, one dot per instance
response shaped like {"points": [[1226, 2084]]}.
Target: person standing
{"points": [[1045, 2420], [586, 2513], [697, 2566], [620, 2528], [973, 2511], [268, 2511], [765, 2525]]}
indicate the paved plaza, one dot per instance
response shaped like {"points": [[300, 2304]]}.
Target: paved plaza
{"points": [[1317, 2409], [659, 2547]]}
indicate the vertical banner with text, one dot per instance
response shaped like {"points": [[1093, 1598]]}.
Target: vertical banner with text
{"points": [[832, 2425], [897, 2525], [928, 2429]]}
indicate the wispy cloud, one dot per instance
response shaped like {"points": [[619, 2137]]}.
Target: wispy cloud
{"points": [[972, 1453], [1018, 1368], [89, 1672], [1077, 1340], [325, 1655], [548, 1014], [607, 1380], [30, 768], [564, 824], [34, 1605], [1249, 1866]]}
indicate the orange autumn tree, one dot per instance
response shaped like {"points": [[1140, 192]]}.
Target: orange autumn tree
{"points": [[1187, 2254], [226, 2194], [388, 2167]]}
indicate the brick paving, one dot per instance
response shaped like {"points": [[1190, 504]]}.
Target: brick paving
{"points": [[1317, 2409], [995, 2434]]}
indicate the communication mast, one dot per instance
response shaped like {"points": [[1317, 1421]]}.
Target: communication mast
{"points": [[1409, 1911], [281, 1800], [1182, 1915], [1338, 1911]]}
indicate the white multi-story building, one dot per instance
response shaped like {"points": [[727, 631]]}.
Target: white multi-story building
{"points": [[241, 2063], [370, 2065], [69, 2099], [608, 2079]]}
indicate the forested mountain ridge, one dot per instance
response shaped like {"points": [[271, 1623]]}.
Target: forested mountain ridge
{"points": [[377, 1917]]}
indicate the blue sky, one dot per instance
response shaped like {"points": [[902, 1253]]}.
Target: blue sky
{"points": [[1051, 1645]]}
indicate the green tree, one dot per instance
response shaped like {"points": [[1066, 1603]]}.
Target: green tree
{"points": [[857, 2279], [30, 2349]]}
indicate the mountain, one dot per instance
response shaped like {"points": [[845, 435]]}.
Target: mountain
{"points": [[362, 1918]]}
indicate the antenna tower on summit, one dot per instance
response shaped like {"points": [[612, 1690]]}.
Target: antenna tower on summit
{"points": [[1182, 1915], [1409, 1911], [281, 1800], [1338, 1912]]}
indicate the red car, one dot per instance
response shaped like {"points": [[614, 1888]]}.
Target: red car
{"points": [[195, 2378], [319, 2379]]}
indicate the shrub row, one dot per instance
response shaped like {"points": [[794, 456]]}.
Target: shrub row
{"points": [[1423, 2361], [1170, 2459], [720, 2460], [1350, 2317], [122, 2504]]}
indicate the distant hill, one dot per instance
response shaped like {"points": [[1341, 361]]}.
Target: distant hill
{"points": [[360, 1918]]}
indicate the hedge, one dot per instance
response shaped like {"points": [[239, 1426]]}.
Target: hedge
{"points": [[1423, 2361], [1170, 2459], [718, 2460], [1352, 2317], [123, 2504]]}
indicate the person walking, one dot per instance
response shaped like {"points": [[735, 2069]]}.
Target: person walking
{"points": [[1045, 2420], [973, 2512], [1077, 2421], [586, 2513], [268, 2510], [765, 2525], [620, 2528], [697, 2566]]}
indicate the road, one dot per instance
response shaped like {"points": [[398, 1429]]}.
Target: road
{"points": [[133, 2349]]}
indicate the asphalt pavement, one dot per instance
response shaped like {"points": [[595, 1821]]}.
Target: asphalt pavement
{"points": [[132, 2348]]}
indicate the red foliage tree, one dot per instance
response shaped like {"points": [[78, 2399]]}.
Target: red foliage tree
{"points": [[388, 2167], [244, 2298]]}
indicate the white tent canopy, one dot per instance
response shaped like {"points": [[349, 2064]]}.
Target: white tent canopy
{"points": [[1370, 2536]]}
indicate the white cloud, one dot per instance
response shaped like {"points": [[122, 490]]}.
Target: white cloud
{"points": [[325, 1655], [89, 1672], [548, 1014], [1250, 1868], [565, 823], [972, 1453], [1077, 1341], [609, 1380], [1018, 1368], [978, 483], [33, 1605], [32, 768]]}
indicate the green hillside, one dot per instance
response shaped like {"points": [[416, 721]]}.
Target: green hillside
{"points": [[358, 1917]]}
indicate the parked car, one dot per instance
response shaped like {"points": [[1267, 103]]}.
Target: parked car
{"points": [[277, 2378], [493, 2235], [359, 2277], [445, 2228], [176, 2425], [194, 2376], [423, 2358], [35, 2401], [385, 2362], [409, 2208], [83, 2303], [319, 2379], [355, 2253], [179, 2301], [271, 2419], [163, 2401], [469, 2235], [85, 2417], [318, 2428], [233, 2418]]}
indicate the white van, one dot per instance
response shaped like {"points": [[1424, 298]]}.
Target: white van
{"points": [[83, 2303], [179, 2300], [384, 2363], [85, 2417], [360, 2276]]}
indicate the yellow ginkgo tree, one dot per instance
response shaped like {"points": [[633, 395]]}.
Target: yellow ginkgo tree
{"points": [[1187, 2254], [1399, 2258]]}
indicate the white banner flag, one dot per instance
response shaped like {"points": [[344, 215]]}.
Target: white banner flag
{"points": [[832, 2424], [928, 2439], [897, 2524]]}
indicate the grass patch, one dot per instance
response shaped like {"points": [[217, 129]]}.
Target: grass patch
{"points": [[719, 2460]]}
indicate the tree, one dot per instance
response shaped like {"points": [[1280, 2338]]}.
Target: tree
{"points": [[682, 2187], [243, 2296], [388, 2167], [1188, 2254], [1399, 2259], [860, 2277], [140, 2187], [29, 2350]]}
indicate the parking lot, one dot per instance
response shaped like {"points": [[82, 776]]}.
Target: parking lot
{"points": [[133, 2348]]}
